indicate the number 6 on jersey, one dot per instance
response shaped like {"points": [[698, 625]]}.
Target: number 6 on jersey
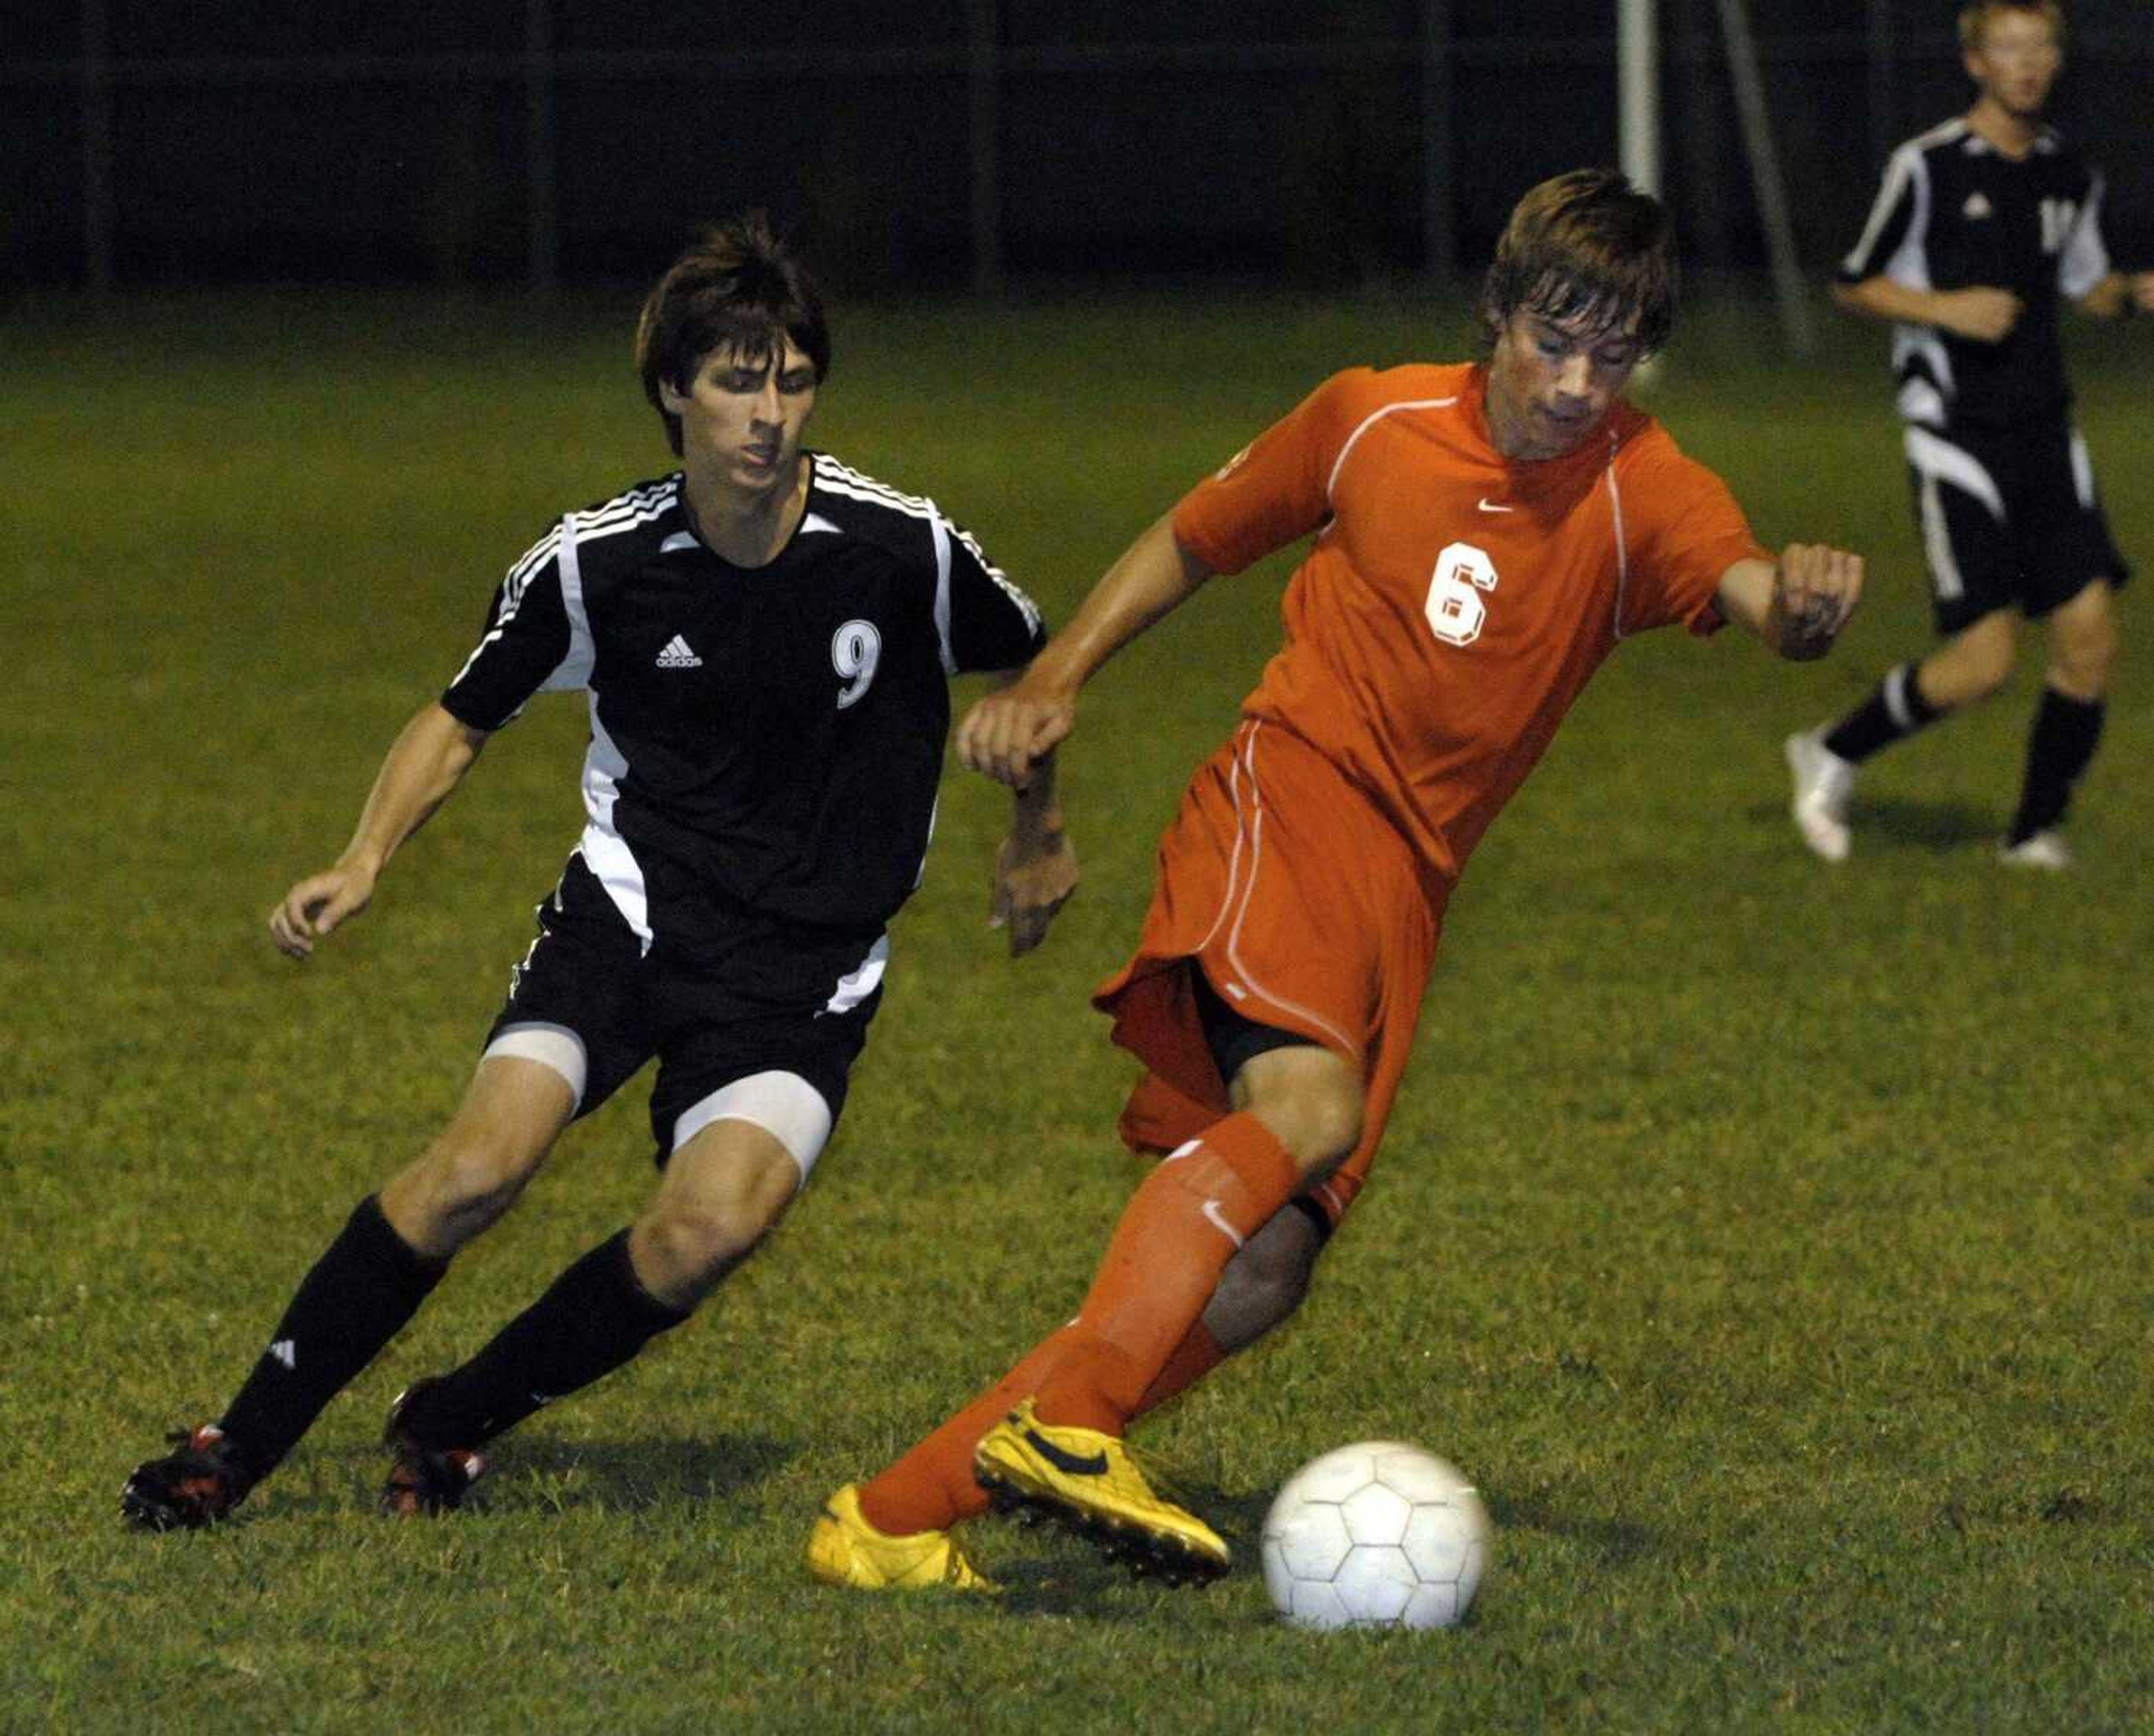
{"points": [[1455, 610]]}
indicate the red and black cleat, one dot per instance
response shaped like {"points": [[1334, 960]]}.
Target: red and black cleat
{"points": [[196, 1486], [424, 1480]]}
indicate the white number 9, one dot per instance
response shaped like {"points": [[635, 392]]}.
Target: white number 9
{"points": [[856, 649]]}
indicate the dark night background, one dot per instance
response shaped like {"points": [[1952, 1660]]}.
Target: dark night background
{"points": [[150, 144]]}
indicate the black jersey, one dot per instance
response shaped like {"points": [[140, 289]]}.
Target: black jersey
{"points": [[765, 741], [1955, 212]]}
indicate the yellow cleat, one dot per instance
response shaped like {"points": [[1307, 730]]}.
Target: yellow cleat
{"points": [[844, 1549], [1090, 1481]]}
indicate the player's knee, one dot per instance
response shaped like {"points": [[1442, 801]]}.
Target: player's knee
{"points": [[1320, 1124], [691, 1245], [688, 1249], [2082, 653], [466, 1181], [1312, 1102], [707, 1238]]}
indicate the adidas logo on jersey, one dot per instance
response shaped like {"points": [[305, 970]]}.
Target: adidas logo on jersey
{"points": [[1977, 207], [678, 655]]}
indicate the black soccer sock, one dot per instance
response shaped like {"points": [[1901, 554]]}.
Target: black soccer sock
{"points": [[1892, 713], [367, 1283], [596, 1316], [2059, 748]]}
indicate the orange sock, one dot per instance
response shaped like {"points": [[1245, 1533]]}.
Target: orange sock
{"points": [[1195, 1357], [1162, 1263], [931, 1488]]}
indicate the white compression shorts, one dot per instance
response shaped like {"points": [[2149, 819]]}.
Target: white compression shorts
{"points": [[784, 1105], [550, 1046]]}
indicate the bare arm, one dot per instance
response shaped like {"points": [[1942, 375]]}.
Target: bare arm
{"points": [[1985, 315], [423, 769], [1798, 605], [2120, 295], [1007, 734]]}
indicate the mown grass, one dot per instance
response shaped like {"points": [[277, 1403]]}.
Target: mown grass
{"points": [[1771, 1242]]}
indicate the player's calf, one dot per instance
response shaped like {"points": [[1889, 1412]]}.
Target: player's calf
{"points": [[725, 1190], [1267, 1279]]}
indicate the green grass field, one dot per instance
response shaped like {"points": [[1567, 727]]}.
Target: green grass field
{"points": [[1773, 1244]]}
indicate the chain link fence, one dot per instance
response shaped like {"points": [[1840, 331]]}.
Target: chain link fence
{"points": [[943, 145]]}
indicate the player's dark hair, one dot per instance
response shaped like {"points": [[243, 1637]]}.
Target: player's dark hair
{"points": [[1586, 244], [1974, 19], [737, 288]]}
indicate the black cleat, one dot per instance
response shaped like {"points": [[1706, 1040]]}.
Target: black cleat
{"points": [[198, 1485], [424, 1480]]}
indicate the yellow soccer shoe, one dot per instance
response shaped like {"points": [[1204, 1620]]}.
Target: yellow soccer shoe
{"points": [[1089, 1482], [844, 1549]]}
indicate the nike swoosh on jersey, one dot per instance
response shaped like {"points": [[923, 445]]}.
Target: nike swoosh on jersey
{"points": [[1490, 506]]}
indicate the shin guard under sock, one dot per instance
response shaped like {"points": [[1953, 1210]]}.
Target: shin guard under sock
{"points": [[367, 1284], [932, 1488], [2060, 747], [1190, 1216], [594, 1317], [1892, 712]]}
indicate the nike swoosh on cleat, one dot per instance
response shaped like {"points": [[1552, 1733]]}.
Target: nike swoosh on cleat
{"points": [[1071, 1463]]}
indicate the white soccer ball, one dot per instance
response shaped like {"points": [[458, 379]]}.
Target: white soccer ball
{"points": [[1378, 1534]]}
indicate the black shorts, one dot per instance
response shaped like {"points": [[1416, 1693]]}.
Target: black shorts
{"points": [[2009, 518], [764, 995], [1236, 1041]]}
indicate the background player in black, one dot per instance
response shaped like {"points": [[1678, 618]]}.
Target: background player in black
{"points": [[766, 637], [1984, 225]]}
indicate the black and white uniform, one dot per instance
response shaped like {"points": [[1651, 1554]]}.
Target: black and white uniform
{"points": [[759, 787], [2004, 492]]}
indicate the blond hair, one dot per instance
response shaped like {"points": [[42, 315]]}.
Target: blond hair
{"points": [[1974, 18]]}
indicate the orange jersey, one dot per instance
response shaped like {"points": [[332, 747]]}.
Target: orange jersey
{"points": [[1455, 602]]}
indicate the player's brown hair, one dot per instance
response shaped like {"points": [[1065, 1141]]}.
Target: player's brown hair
{"points": [[1587, 242], [736, 287], [1974, 19]]}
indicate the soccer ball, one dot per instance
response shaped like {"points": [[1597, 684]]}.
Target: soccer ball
{"points": [[1378, 1534]]}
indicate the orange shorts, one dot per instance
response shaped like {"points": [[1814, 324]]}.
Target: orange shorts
{"points": [[1304, 909]]}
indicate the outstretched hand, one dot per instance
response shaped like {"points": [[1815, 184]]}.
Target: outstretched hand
{"points": [[315, 907], [1814, 590]]}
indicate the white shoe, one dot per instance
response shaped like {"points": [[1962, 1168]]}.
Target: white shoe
{"points": [[2046, 851], [1824, 781]]}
